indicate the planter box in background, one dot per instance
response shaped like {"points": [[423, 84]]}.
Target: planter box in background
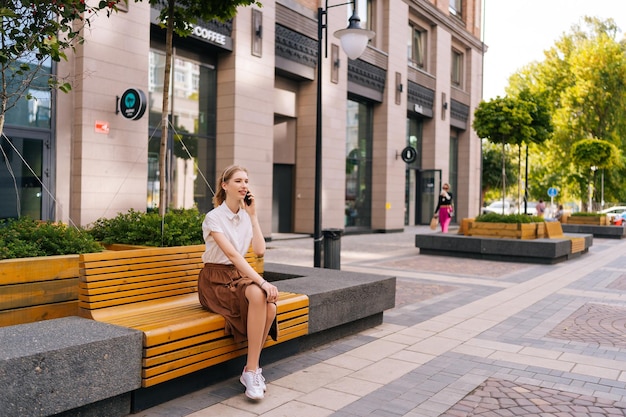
{"points": [[506, 230]]}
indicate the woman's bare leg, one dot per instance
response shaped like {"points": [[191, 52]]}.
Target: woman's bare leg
{"points": [[258, 327]]}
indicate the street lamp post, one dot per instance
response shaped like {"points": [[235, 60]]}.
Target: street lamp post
{"points": [[354, 40]]}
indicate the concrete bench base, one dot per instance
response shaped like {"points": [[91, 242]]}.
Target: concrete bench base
{"points": [[54, 366], [542, 251], [604, 232]]}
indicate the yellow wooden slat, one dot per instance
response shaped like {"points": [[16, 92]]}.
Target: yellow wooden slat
{"points": [[149, 352], [38, 293], [554, 230], [217, 346], [578, 244], [38, 313], [134, 299], [145, 270], [169, 375], [134, 253], [45, 268], [126, 292], [87, 292]]}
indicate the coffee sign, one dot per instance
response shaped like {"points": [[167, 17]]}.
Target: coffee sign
{"points": [[133, 104]]}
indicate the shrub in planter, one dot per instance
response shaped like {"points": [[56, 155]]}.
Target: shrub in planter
{"points": [[25, 237], [180, 227], [508, 218]]}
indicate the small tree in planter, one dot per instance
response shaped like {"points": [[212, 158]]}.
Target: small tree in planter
{"points": [[589, 153]]}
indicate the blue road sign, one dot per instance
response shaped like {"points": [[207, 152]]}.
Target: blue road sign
{"points": [[552, 192]]}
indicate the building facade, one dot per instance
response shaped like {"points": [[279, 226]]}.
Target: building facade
{"points": [[245, 92]]}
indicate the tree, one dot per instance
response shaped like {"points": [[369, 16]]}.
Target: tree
{"points": [[503, 120], [583, 78], [33, 33], [177, 17], [492, 169], [593, 154]]}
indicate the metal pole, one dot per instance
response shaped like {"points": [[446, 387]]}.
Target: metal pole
{"points": [[317, 235]]}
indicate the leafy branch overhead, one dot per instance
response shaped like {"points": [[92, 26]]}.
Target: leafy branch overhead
{"points": [[33, 34]]}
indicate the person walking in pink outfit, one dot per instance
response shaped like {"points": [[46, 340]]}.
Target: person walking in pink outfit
{"points": [[445, 208]]}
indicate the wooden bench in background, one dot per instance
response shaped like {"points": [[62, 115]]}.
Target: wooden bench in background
{"points": [[35, 289], [155, 290], [555, 231]]}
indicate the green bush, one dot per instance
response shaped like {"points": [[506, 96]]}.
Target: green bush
{"points": [[508, 218], [180, 228], [588, 214], [24, 237]]}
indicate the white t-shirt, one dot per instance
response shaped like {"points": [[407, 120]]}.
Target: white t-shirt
{"points": [[237, 228]]}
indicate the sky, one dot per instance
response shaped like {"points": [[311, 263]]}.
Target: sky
{"points": [[517, 32]]}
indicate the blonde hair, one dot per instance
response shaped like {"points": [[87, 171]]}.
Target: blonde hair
{"points": [[227, 174]]}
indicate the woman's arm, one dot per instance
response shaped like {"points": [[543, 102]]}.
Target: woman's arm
{"points": [[243, 266], [258, 241]]}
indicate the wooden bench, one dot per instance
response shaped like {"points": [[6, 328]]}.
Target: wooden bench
{"points": [[555, 231], [35, 289], [155, 291]]}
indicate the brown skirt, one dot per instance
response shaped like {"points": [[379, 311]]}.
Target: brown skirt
{"points": [[222, 290]]}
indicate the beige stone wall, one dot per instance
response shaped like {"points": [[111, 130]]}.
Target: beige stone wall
{"points": [[100, 174], [245, 112], [388, 178]]}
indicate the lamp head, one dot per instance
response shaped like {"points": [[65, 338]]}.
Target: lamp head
{"points": [[354, 38]]}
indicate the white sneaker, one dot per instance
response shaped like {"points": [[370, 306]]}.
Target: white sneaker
{"points": [[262, 378], [253, 383]]}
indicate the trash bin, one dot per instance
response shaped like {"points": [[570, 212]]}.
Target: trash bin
{"points": [[332, 248]]}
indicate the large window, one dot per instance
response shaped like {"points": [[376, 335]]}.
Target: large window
{"points": [[416, 47], [457, 69], [456, 8], [26, 147], [190, 169], [414, 129], [358, 210]]}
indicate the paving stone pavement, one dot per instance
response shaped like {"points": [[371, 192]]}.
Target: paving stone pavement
{"points": [[466, 338]]}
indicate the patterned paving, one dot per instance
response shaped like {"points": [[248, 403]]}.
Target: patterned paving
{"points": [[455, 266], [599, 324], [409, 292], [497, 397], [619, 284]]}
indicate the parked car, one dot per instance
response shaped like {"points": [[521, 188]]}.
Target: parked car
{"points": [[498, 207], [531, 208], [613, 212]]}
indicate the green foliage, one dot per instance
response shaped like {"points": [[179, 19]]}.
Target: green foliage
{"points": [[492, 167], [180, 228], [508, 218], [503, 120], [24, 237], [35, 32], [180, 13], [583, 78], [594, 152], [588, 214]]}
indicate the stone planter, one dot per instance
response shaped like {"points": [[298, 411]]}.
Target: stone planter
{"points": [[506, 230], [594, 220]]}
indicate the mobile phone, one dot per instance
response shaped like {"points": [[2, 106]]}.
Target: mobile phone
{"points": [[247, 199]]}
